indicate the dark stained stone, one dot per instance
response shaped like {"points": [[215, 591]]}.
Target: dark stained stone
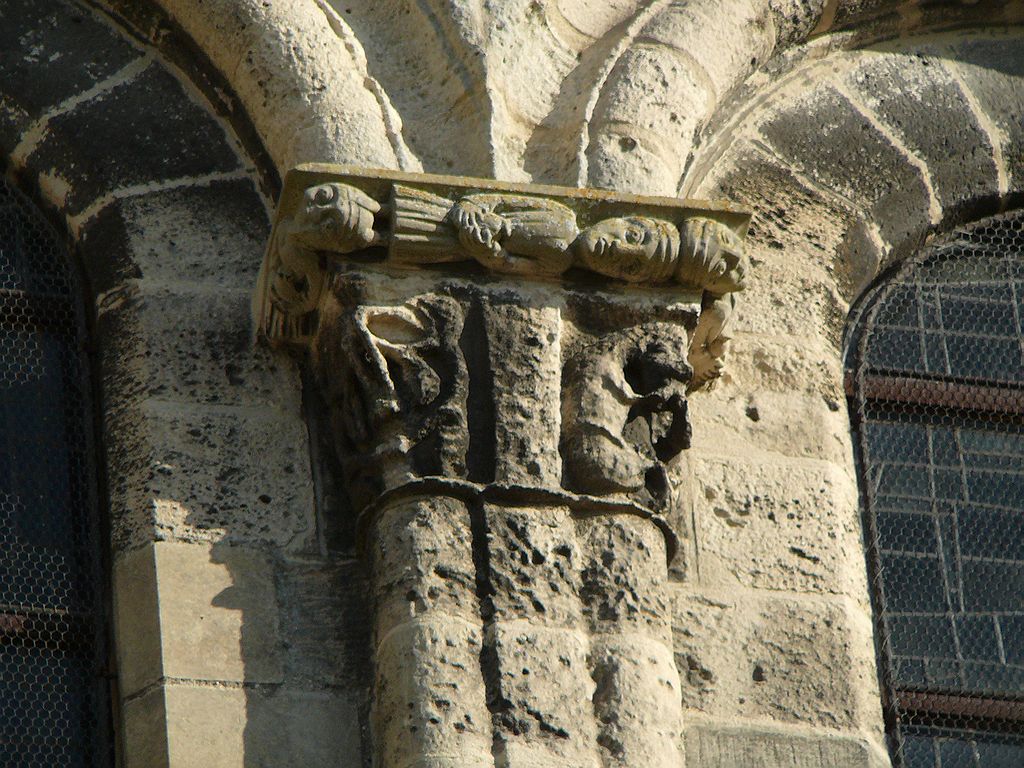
{"points": [[51, 50], [921, 102], [211, 234], [142, 131], [823, 135]]}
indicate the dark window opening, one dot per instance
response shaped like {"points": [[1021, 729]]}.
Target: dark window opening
{"points": [[935, 379], [54, 698]]}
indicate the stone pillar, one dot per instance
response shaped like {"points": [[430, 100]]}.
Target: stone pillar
{"points": [[505, 399]]}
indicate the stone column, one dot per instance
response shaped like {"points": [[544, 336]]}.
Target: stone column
{"points": [[504, 400]]}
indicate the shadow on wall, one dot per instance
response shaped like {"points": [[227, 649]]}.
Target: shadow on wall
{"points": [[299, 621]]}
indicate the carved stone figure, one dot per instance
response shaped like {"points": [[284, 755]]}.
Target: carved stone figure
{"points": [[337, 218], [514, 234], [713, 257], [624, 412]]}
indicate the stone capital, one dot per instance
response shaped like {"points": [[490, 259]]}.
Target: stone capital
{"points": [[506, 370]]}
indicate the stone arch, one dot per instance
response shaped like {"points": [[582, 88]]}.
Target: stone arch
{"points": [[851, 160], [684, 66], [127, 137]]}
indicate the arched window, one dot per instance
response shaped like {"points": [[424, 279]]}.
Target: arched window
{"points": [[935, 375], [53, 661]]}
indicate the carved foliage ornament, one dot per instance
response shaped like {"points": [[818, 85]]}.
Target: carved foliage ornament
{"points": [[331, 214]]}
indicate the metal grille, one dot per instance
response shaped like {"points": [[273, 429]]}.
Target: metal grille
{"points": [[935, 375], [53, 690]]}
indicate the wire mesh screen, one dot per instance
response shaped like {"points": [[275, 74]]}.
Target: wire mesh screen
{"points": [[935, 374], [53, 692]]}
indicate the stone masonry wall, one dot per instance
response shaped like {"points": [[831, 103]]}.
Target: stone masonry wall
{"points": [[238, 637], [241, 618]]}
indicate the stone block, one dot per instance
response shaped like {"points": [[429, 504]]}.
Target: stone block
{"points": [[991, 65], [777, 524], [430, 697], [422, 560], [740, 418], [834, 144], [545, 692], [53, 50], [189, 346], [144, 731], [308, 728], [533, 562], [808, 246], [141, 131], [209, 234], [206, 473], [136, 620], [710, 747], [218, 614], [208, 726], [921, 103], [784, 659]]}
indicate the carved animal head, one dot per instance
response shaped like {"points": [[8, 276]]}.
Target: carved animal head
{"points": [[633, 248], [713, 257], [335, 217]]}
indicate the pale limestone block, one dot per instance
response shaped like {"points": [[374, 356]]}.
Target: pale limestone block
{"points": [[430, 697], [218, 613], [804, 364], [738, 419], [207, 726], [545, 693], [757, 747], [778, 524], [780, 658], [421, 553], [136, 620], [144, 730]]}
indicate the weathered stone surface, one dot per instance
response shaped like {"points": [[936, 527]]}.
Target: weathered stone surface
{"points": [[524, 344], [144, 730], [776, 658], [543, 707], [226, 474], [991, 65], [826, 137], [141, 131], [325, 624], [778, 525], [711, 747], [919, 101], [209, 235], [747, 422], [421, 552], [430, 698], [54, 50], [293, 726], [160, 346]]}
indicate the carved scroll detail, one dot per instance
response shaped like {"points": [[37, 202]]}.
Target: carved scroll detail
{"points": [[398, 382]]}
